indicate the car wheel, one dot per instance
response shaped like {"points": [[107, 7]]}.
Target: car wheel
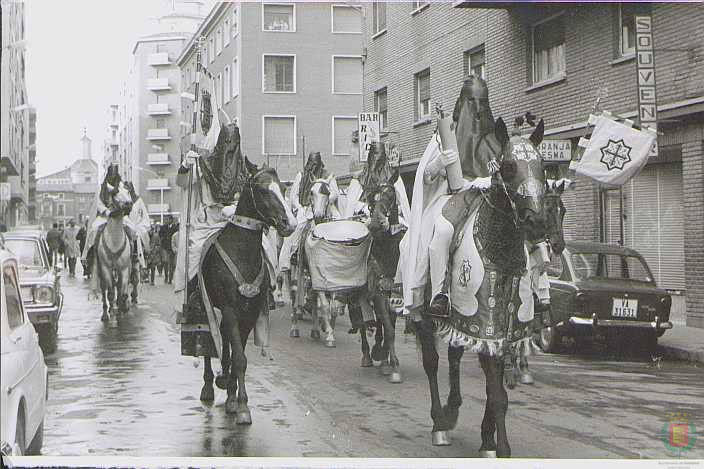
{"points": [[550, 339], [35, 446], [19, 436]]}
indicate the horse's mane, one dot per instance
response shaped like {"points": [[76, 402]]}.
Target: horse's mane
{"points": [[223, 169]]}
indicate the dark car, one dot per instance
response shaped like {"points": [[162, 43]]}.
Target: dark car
{"points": [[599, 288], [40, 284]]}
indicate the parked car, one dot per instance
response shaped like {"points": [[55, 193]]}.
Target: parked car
{"points": [[604, 289], [41, 285], [23, 373]]}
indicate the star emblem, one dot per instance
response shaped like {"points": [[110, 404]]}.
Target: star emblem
{"points": [[615, 154]]}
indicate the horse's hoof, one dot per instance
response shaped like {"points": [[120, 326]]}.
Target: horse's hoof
{"points": [[294, 333], [231, 406], [440, 438], [385, 368], [377, 353], [510, 379], [221, 381], [105, 317], [485, 453], [315, 334], [367, 361], [527, 377], [243, 417], [207, 394], [330, 344], [395, 377]]}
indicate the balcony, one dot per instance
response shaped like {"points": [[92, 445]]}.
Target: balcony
{"points": [[158, 84], [158, 208], [159, 58], [158, 134], [157, 184], [158, 109], [158, 159]]}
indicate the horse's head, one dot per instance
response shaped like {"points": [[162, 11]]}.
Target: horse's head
{"points": [[312, 171], [522, 177], [121, 201], [264, 189], [130, 188], [554, 211], [320, 197], [383, 205]]}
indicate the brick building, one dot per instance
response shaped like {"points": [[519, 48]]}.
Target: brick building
{"points": [[555, 61], [290, 73]]}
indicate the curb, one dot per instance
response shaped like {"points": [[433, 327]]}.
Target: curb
{"points": [[678, 353]]}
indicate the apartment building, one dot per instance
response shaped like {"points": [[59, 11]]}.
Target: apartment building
{"points": [[14, 115], [289, 73], [555, 61], [111, 145], [32, 164]]}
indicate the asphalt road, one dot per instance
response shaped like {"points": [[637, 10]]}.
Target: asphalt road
{"points": [[124, 389]]}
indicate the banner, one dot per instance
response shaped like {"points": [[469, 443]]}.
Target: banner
{"points": [[208, 126], [645, 69], [615, 153], [368, 133]]}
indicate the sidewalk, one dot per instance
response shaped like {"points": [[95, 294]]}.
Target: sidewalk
{"points": [[682, 342]]}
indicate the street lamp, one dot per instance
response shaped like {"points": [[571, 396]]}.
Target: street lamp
{"points": [[161, 192]]}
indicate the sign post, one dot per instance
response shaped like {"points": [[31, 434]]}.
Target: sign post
{"points": [[368, 125], [645, 69]]}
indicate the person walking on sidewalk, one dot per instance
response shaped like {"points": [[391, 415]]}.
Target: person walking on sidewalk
{"points": [[53, 239], [71, 247]]}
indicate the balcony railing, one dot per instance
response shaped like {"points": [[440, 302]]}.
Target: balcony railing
{"points": [[158, 84], [158, 109], [158, 208], [158, 134], [159, 58], [158, 158], [157, 184]]}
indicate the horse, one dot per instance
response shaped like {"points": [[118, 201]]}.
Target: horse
{"points": [[490, 262], [237, 281], [113, 250], [386, 234]]}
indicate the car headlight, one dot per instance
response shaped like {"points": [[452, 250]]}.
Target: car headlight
{"points": [[44, 295]]}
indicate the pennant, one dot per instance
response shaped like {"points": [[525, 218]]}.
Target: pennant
{"points": [[615, 153], [209, 129]]}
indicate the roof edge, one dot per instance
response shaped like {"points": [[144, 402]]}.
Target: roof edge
{"points": [[216, 11]]}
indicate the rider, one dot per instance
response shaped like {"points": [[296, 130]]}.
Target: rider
{"points": [[477, 176], [138, 221]]}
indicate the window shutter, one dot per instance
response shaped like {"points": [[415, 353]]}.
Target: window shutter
{"points": [[343, 128], [346, 20], [424, 86], [348, 74]]}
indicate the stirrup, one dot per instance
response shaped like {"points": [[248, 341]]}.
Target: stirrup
{"points": [[440, 306]]}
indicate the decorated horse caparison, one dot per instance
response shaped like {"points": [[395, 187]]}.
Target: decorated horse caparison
{"points": [[490, 294]]}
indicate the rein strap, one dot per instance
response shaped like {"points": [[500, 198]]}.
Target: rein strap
{"points": [[247, 223]]}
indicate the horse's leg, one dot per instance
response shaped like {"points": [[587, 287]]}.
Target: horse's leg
{"points": [[230, 329], [454, 398], [328, 319], [390, 366], [430, 365], [315, 331], [377, 349], [134, 280], [104, 295], [366, 358], [207, 393], [296, 314], [225, 360], [488, 448], [239, 367], [496, 400]]}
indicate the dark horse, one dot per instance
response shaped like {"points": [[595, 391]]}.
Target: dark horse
{"points": [[237, 279], [504, 218]]}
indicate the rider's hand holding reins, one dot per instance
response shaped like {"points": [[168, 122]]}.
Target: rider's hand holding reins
{"points": [[190, 159]]}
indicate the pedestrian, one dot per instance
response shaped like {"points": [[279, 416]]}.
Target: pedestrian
{"points": [[81, 237], [167, 255], [71, 247], [154, 253], [53, 239], [62, 245]]}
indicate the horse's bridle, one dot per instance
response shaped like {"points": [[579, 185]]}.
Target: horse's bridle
{"points": [[250, 183]]}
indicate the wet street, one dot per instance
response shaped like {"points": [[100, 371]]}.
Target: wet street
{"points": [[124, 389]]}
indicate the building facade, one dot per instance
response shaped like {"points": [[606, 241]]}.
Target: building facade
{"points": [[14, 116], [69, 194], [32, 163], [111, 146], [289, 73], [556, 61]]}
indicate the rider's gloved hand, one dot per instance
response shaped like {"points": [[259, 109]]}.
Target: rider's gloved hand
{"points": [[190, 159]]}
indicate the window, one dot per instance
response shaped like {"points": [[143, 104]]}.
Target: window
{"points": [[346, 19], [417, 6], [218, 89], [279, 17], [346, 74], [235, 78], [227, 33], [279, 74], [422, 93], [227, 85], [279, 135], [380, 106], [211, 49], [379, 16], [342, 128], [627, 28], [474, 62], [548, 47], [235, 22], [218, 41], [15, 318]]}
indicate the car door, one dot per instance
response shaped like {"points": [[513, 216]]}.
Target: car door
{"points": [[23, 339], [560, 287]]}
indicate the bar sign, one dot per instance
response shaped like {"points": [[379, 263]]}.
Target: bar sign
{"points": [[645, 69]]}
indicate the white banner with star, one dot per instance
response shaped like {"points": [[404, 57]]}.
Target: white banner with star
{"points": [[615, 153]]}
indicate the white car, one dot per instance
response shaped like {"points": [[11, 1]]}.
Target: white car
{"points": [[23, 373]]}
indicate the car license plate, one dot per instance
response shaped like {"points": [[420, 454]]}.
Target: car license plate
{"points": [[625, 308]]}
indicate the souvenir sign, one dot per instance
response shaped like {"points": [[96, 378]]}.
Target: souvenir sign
{"points": [[368, 133], [645, 68]]}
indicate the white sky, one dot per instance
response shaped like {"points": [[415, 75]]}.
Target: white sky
{"points": [[77, 56]]}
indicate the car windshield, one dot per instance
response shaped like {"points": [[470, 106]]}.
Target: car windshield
{"points": [[616, 266], [27, 252]]}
